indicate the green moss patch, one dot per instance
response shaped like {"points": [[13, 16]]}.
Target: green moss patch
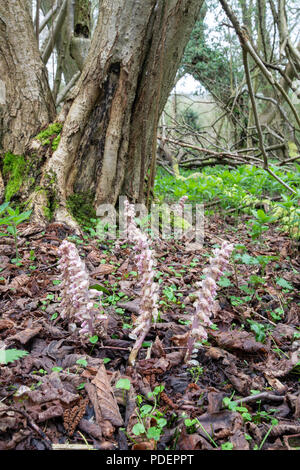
{"points": [[51, 135], [14, 170], [81, 207]]}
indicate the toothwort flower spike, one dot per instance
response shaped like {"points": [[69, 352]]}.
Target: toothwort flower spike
{"points": [[149, 288], [205, 304], [181, 202], [77, 301]]}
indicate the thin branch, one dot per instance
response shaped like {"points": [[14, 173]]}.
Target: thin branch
{"points": [[264, 396], [208, 151], [258, 126], [54, 33], [48, 17], [289, 160], [32, 424], [244, 38], [67, 88]]}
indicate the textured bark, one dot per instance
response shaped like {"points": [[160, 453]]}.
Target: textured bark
{"points": [[110, 121], [110, 129], [28, 104]]}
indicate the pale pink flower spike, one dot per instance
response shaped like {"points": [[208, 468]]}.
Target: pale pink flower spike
{"points": [[205, 304], [77, 303]]}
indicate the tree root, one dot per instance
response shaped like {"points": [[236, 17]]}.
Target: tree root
{"points": [[39, 203]]}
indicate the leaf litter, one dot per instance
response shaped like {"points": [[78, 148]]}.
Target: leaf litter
{"points": [[243, 392]]}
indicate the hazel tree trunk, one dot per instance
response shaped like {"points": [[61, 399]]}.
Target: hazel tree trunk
{"points": [[108, 140], [109, 134], [26, 103]]}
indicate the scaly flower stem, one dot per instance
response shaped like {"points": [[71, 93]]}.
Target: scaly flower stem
{"points": [[149, 291], [205, 304]]}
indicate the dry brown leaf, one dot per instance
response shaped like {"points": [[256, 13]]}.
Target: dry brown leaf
{"points": [[284, 428], [275, 367], [239, 340], [4, 324], [106, 399], [157, 349], [124, 266], [102, 270], [238, 440], [276, 384], [145, 445], [17, 437], [193, 442], [90, 428], [24, 336], [52, 389], [132, 306], [215, 401], [216, 422], [10, 419], [95, 256]]}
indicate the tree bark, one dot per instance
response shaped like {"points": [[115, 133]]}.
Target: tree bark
{"points": [[27, 104], [109, 134]]}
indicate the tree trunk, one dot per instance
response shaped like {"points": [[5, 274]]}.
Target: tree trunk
{"points": [[26, 104], [109, 136]]}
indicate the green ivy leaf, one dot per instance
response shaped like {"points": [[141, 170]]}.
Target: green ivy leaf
{"points": [[82, 362], [227, 446], [93, 339]]}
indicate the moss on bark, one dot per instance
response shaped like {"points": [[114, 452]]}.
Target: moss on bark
{"points": [[50, 135], [15, 169], [80, 206]]}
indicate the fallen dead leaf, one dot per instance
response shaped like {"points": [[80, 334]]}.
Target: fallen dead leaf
{"points": [[106, 400], [26, 335], [239, 340], [102, 270]]}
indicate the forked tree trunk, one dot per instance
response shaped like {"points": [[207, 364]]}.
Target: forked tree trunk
{"points": [[109, 133], [108, 139]]}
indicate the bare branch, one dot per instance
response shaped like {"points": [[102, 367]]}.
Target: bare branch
{"points": [[54, 32], [48, 17], [67, 88], [258, 126]]}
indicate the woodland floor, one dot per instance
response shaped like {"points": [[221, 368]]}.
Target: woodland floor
{"points": [[257, 368]]}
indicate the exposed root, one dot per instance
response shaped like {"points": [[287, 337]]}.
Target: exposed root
{"points": [[62, 215], [36, 203], [39, 202]]}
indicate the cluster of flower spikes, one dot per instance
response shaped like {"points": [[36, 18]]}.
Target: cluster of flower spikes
{"points": [[205, 304], [77, 303], [149, 288]]}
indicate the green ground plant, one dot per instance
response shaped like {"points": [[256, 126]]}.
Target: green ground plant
{"points": [[11, 355], [239, 190], [12, 220]]}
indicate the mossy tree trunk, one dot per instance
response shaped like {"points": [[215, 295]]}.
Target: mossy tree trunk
{"points": [[108, 140], [109, 135]]}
